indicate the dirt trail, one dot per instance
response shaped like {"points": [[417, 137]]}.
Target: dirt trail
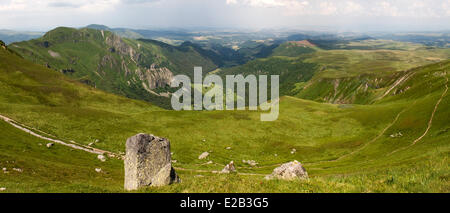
{"points": [[366, 144], [430, 122], [111, 154], [396, 83], [71, 145], [92, 150]]}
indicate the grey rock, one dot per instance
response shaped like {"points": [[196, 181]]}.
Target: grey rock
{"points": [[98, 170], [250, 162], [148, 162], [229, 168], [50, 145], [203, 155], [289, 171], [18, 169], [102, 158]]}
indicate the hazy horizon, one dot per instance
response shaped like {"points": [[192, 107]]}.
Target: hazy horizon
{"points": [[337, 15]]}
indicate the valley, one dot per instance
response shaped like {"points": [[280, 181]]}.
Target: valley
{"points": [[372, 120]]}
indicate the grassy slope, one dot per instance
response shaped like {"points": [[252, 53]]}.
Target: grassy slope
{"points": [[320, 132], [358, 73], [290, 70], [293, 50], [361, 76]]}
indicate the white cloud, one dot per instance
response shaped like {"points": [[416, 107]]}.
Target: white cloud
{"points": [[48, 5], [446, 7], [254, 13], [231, 1], [269, 3], [390, 8], [352, 8], [327, 8]]}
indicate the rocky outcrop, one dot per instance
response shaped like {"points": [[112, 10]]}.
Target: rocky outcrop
{"points": [[155, 77], [152, 76], [119, 46], [289, 171], [148, 162]]}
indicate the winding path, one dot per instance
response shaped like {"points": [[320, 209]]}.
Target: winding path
{"points": [[396, 83], [71, 145], [120, 156], [92, 150], [366, 144], [430, 122]]}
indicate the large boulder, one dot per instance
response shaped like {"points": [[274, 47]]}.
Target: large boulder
{"points": [[289, 171], [148, 162]]}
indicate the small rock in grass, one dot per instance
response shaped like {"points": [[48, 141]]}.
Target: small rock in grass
{"points": [[289, 171], [50, 145], [174, 161], [204, 140], [228, 148], [4, 169], [102, 158], [229, 168], [293, 151], [90, 144], [2, 189], [209, 162], [396, 135], [98, 169], [203, 155], [17, 169], [250, 162]]}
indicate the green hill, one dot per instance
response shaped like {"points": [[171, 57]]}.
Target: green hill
{"points": [[398, 144], [294, 48], [101, 59], [342, 76]]}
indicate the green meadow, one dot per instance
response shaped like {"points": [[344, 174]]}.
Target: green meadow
{"points": [[344, 147]]}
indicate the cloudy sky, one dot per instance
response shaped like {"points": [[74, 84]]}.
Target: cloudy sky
{"points": [[357, 15]]}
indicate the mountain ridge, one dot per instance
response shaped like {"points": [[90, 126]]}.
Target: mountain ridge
{"points": [[102, 59]]}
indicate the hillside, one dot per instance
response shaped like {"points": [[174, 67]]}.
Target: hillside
{"points": [[399, 144], [342, 76], [294, 48], [101, 59]]}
